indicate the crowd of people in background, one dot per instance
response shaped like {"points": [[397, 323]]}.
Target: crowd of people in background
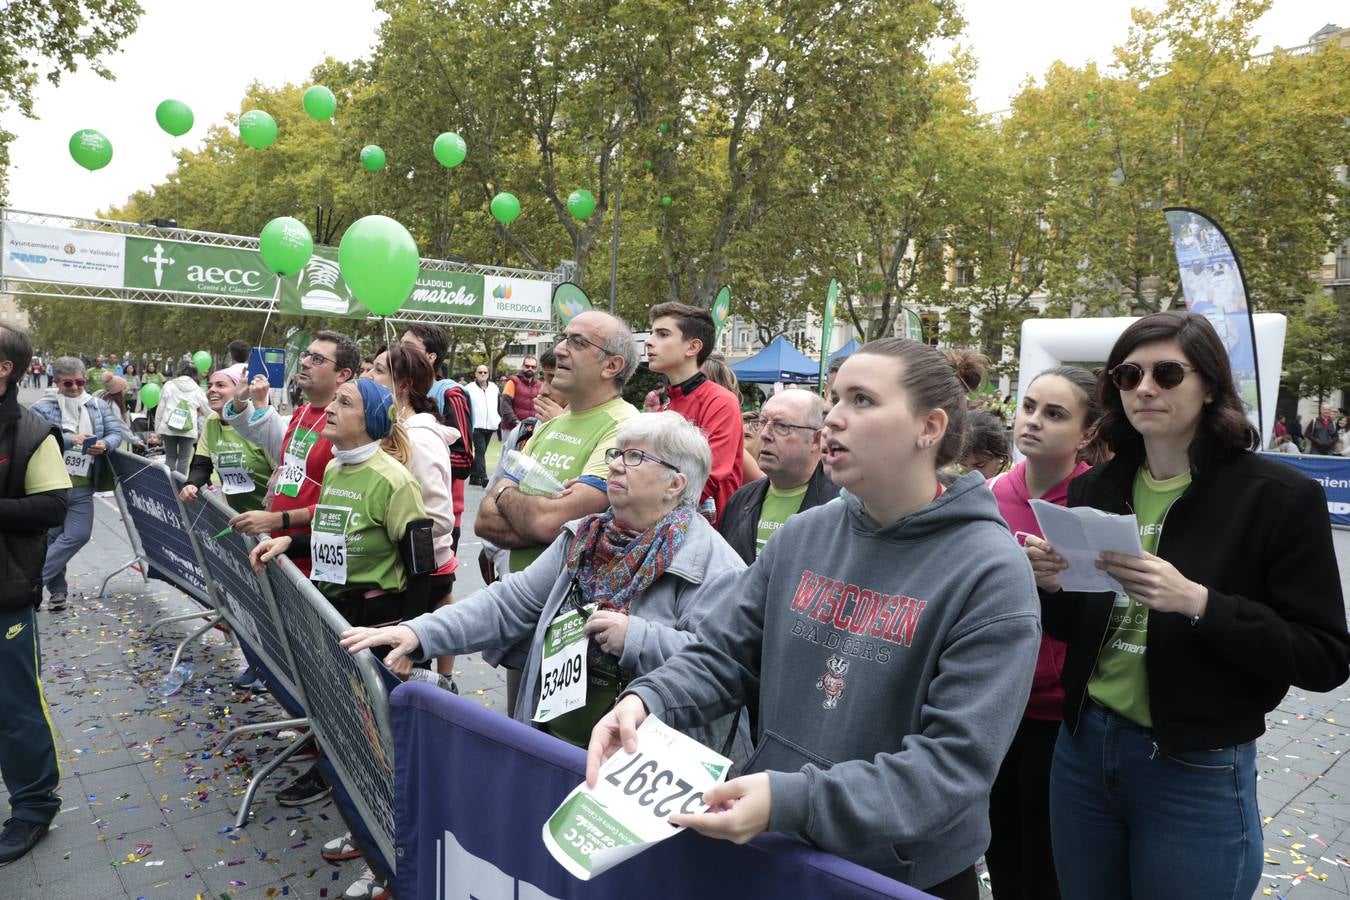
{"points": [[849, 595]]}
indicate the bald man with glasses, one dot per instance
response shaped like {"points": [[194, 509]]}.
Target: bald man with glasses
{"points": [[794, 479]]}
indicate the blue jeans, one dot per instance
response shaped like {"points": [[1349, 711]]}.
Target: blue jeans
{"points": [[1129, 821], [66, 539]]}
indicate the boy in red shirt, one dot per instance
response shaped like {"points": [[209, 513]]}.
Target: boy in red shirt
{"points": [[681, 340]]}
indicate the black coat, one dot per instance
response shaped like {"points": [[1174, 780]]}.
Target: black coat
{"points": [[1257, 534], [740, 521]]}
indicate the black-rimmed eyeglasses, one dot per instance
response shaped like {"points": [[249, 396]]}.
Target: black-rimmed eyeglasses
{"points": [[633, 457]]}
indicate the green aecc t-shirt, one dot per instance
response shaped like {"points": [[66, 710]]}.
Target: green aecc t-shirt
{"points": [[375, 500], [778, 507], [1120, 682]]}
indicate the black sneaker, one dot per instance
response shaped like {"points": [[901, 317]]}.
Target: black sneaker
{"points": [[18, 838], [308, 788]]}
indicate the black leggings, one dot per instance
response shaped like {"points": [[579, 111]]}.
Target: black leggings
{"points": [[964, 885]]}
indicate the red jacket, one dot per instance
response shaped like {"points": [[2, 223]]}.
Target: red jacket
{"points": [[522, 392], [313, 418], [717, 412]]}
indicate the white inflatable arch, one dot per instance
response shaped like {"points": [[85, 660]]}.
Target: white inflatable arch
{"points": [[1048, 342]]}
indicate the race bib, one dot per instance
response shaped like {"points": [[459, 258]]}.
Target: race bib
{"points": [[562, 673], [78, 463], [234, 477], [328, 544], [292, 473], [634, 797], [178, 418]]}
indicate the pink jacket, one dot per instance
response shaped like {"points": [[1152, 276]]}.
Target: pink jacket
{"points": [[1010, 490]]}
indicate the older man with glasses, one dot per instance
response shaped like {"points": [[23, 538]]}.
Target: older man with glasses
{"points": [[89, 429], [596, 355], [789, 454]]}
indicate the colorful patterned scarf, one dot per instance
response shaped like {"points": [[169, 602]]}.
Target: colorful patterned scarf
{"points": [[615, 564]]}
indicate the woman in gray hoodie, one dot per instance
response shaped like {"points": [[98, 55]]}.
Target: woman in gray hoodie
{"points": [[886, 640]]}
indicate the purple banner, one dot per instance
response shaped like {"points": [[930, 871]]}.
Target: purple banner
{"points": [[474, 787]]}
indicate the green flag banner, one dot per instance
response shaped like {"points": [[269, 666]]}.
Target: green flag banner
{"points": [[721, 310], [569, 301], [827, 329], [913, 326]]}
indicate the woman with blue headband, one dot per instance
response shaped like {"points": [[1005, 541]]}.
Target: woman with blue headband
{"points": [[367, 506]]}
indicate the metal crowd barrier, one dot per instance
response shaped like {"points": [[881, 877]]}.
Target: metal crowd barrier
{"points": [[348, 703], [159, 531], [288, 630]]}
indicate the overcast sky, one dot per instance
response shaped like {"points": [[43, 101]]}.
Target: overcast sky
{"points": [[206, 54]]}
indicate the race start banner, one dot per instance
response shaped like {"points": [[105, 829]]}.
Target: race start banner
{"points": [[108, 259], [472, 828], [1213, 285]]}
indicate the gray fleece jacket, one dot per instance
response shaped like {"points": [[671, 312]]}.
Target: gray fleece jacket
{"points": [[889, 667], [660, 622]]}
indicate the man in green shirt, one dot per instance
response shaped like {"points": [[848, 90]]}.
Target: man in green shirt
{"points": [[789, 455], [596, 356]]}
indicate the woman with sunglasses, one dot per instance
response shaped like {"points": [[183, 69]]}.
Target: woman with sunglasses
{"points": [[640, 576], [89, 430], [1153, 785]]}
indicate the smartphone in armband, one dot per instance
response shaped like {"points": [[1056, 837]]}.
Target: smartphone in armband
{"points": [[417, 550]]}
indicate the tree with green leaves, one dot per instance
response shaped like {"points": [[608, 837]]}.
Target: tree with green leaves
{"points": [[1185, 118], [1317, 347]]}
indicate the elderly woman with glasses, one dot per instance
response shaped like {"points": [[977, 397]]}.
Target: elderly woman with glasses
{"points": [[613, 597], [1167, 681], [89, 429]]}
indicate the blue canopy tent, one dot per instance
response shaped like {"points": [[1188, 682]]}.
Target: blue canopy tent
{"points": [[780, 361], [845, 351]]}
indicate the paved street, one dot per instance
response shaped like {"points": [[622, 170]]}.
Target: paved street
{"points": [[148, 806]]}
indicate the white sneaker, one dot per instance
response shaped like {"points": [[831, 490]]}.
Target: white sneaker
{"points": [[367, 887], [340, 848]]}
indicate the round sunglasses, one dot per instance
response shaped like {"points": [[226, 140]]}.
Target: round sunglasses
{"points": [[1167, 374]]}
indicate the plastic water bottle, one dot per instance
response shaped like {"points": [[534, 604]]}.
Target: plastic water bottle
{"points": [[180, 675], [530, 475]]}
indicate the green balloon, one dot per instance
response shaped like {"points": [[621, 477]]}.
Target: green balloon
{"points": [[581, 203], [372, 158], [378, 259], [285, 245], [90, 149], [505, 208], [320, 103], [202, 360], [174, 116], [666, 201], [449, 149], [149, 395], [258, 129]]}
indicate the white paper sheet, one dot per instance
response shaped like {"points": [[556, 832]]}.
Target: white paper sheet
{"points": [[1081, 534]]}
